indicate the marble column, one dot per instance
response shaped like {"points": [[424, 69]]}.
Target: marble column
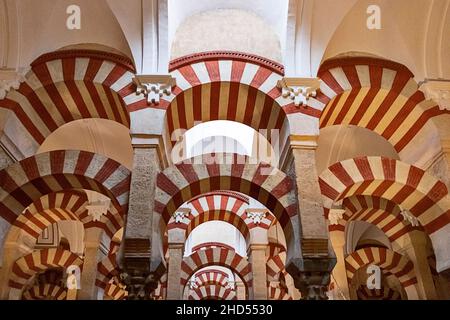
{"points": [[311, 271], [92, 256], [339, 272], [258, 260]]}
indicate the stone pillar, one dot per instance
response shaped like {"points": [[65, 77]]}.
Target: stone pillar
{"points": [[92, 256], [416, 252], [240, 291], [258, 259], [177, 238], [311, 272], [142, 237], [339, 272], [174, 288]]}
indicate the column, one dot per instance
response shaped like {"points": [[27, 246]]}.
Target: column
{"points": [[258, 260], [311, 272], [416, 252], [174, 288], [339, 272], [177, 238], [142, 237], [92, 256], [240, 291]]}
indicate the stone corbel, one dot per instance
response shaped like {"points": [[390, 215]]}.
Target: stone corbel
{"points": [[97, 210], [180, 214], [438, 91], [257, 215], [10, 79], [407, 216], [154, 87], [299, 90], [335, 215]]}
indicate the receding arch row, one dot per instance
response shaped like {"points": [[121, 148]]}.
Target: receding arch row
{"points": [[25, 182], [65, 86], [411, 188], [271, 187]]}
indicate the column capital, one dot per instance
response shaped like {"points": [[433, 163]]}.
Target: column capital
{"points": [[154, 87], [438, 91], [304, 142], [299, 90], [10, 79]]}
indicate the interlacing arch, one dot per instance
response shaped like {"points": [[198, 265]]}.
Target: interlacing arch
{"points": [[278, 293], [45, 292], [382, 213], [107, 269], [41, 260], [65, 86], [216, 257], [28, 180], [379, 95], [416, 191], [268, 185], [388, 260], [385, 293]]}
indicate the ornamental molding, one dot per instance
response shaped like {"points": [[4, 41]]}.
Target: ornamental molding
{"points": [[335, 215], [154, 87], [408, 217]]}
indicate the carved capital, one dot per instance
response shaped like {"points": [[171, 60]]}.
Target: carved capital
{"points": [[438, 91], [299, 90], [181, 214], [154, 87], [335, 215], [257, 215], [10, 79], [408, 217], [97, 210]]}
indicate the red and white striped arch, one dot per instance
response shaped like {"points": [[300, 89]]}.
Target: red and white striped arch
{"points": [[216, 257], [107, 269], [405, 185], [115, 292], [212, 292], [45, 291], [277, 293], [28, 180], [274, 189], [67, 205], [38, 261], [385, 293], [230, 86], [382, 96], [211, 276], [380, 212], [64, 86], [275, 262], [389, 261]]}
